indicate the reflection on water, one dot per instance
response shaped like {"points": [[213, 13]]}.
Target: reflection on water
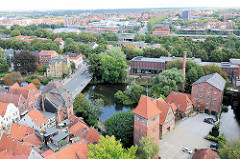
{"points": [[106, 92], [230, 123]]}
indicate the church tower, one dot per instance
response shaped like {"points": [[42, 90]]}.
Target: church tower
{"points": [[146, 120]]}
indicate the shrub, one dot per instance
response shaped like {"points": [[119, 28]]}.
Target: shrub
{"points": [[224, 109]]}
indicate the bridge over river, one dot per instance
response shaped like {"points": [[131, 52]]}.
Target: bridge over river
{"points": [[78, 81]]}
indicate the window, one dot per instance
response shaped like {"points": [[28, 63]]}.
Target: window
{"points": [[213, 103], [200, 95], [215, 93], [208, 97], [214, 98]]}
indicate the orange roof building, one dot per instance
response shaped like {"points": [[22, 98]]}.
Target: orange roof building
{"points": [[45, 56], [92, 136], [205, 154], [20, 131], [182, 101], [74, 151], [29, 92], [59, 40], [35, 119]]}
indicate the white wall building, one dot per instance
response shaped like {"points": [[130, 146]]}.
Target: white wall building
{"points": [[8, 113]]}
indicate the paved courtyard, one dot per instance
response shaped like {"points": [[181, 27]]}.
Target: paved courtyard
{"points": [[187, 133]]}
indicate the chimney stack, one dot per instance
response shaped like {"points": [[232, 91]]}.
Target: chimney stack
{"points": [[184, 69]]}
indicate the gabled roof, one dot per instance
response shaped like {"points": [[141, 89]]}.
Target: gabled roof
{"points": [[216, 80], [146, 108], [74, 151], [32, 140], [16, 89], [37, 116], [181, 100], [79, 130], [47, 153], [92, 135], [10, 98], [20, 131], [6, 155], [14, 147], [205, 154], [164, 108], [48, 52], [3, 108]]}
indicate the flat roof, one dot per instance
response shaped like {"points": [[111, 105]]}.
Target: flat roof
{"points": [[144, 59]]}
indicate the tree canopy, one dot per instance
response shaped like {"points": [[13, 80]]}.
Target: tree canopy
{"points": [[121, 126], [231, 150], [148, 148], [109, 147]]}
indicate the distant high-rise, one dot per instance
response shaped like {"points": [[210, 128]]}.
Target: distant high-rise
{"points": [[186, 15]]}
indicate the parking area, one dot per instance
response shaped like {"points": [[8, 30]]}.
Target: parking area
{"points": [[187, 133]]}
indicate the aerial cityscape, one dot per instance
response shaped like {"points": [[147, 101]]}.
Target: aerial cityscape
{"points": [[134, 80]]}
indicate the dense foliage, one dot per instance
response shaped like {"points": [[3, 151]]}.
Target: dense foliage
{"points": [[88, 110], [12, 78], [231, 150], [109, 147], [148, 148], [121, 126], [169, 80], [131, 95]]}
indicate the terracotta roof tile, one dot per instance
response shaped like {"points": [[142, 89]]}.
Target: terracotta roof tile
{"points": [[164, 108], [3, 108], [146, 107], [14, 147], [205, 154], [181, 100], [48, 52], [16, 89], [10, 98], [32, 139], [79, 130], [37, 116], [20, 131], [74, 151], [6, 155], [47, 153], [93, 135]]}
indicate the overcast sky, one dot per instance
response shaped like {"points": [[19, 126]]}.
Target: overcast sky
{"points": [[110, 4]]}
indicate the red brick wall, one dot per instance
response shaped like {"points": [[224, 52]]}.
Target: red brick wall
{"points": [[148, 65], [146, 127], [207, 94]]}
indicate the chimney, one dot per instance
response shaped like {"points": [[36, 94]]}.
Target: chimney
{"points": [[184, 69], [43, 107]]}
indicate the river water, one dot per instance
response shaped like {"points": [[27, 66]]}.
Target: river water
{"points": [[230, 123], [106, 92]]}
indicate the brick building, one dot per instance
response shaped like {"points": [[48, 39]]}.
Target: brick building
{"points": [[146, 120], [182, 101], [45, 56], [161, 31], [147, 66], [207, 92], [29, 92]]}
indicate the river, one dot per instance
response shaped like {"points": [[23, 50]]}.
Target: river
{"points": [[230, 123], [106, 92]]}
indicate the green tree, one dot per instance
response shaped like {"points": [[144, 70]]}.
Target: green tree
{"points": [[15, 33], [121, 126], [94, 63], [169, 80], [155, 91], [88, 110], [109, 147], [3, 62], [25, 62], [231, 150], [216, 56], [85, 49], [115, 53], [148, 148]]}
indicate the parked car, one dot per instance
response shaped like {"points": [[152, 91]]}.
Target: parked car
{"points": [[187, 150], [213, 149], [208, 120], [213, 145]]}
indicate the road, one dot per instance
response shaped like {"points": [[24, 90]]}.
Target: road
{"points": [[77, 82], [144, 29]]}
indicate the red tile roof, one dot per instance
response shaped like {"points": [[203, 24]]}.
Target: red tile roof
{"points": [[37, 116], [164, 108], [47, 153], [59, 40], [32, 140], [13, 147], [10, 98], [16, 89], [79, 130], [6, 155], [205, 154], [93, 135], [75, 58], [146, 107], [3, 108], [181, 100], [22, 37], [74, 151], [20, 131], [48, 52]]}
